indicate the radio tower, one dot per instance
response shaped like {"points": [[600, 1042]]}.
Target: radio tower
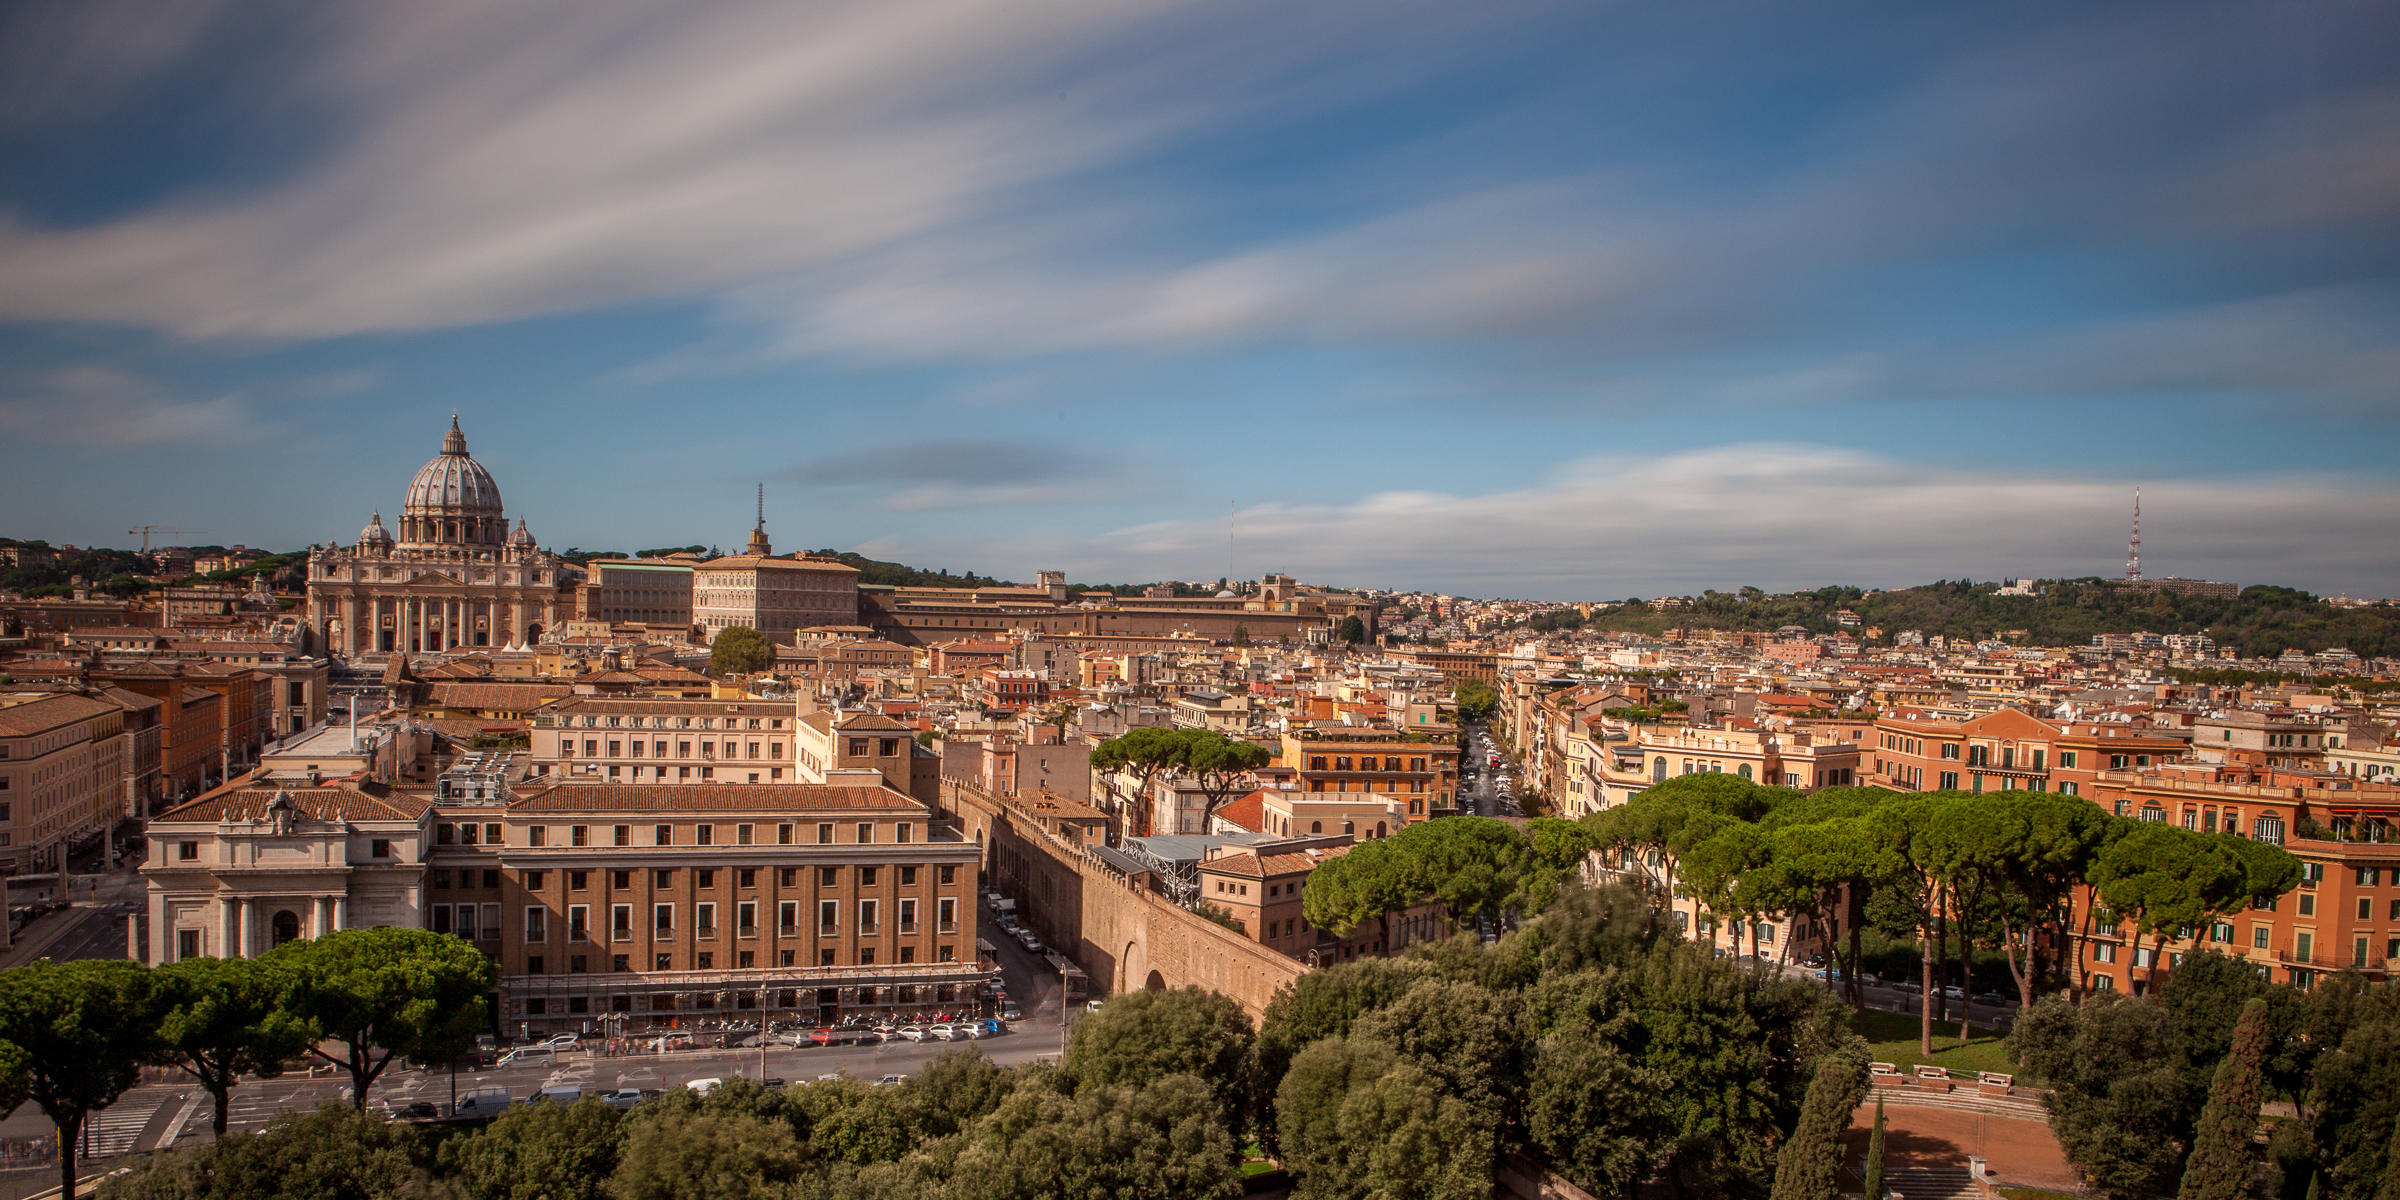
{"points": [[2133, 545]]}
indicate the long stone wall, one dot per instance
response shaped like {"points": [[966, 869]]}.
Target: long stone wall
{"points": [[1123, 934]]}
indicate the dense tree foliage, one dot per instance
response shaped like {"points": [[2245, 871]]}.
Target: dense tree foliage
{"points": [[225, 1018], [1146, 1036], [2161, 1093], [739, 650], [381, 992], [1476, 701], [73, 1037], [1218, 764], [2262, 620]]}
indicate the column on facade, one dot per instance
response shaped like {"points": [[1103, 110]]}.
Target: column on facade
{"points": [[341, 913], [350, 624], [418, 603]]}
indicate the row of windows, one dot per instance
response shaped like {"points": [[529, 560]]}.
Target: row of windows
{"points": [[470, 833], [658, 749], [1366, 762], [589, 721], [621, 878], [481, 921]]}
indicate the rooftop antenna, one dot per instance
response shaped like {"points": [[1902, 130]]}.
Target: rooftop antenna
{"points": [[2133, 546], [1230, 507]]}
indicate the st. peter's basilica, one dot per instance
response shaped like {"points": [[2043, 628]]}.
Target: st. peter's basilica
{"points": [[456, 576]]}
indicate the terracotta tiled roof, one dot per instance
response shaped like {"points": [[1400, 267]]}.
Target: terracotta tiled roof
{"points": [[362, 802], [516, 697], [787, 799], [1249, 812], [50, 712]]}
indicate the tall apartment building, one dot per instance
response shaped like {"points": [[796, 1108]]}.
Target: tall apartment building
{"points": [[2345, 915], [2007, 750], [599, 902], [62, 775], [1420, 772], [654, 740]]}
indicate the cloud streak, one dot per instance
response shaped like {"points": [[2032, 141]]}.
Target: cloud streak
{"points": [[1775, 515]]}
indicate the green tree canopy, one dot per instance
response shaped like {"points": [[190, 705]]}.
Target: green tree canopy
{"points": [[73, 1038], [1144, 1036], [540, 1152], [225, 1018], [383, 991], [739, 650]]}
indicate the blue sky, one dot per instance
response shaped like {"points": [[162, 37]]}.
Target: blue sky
{"points": [[1565, 301]]}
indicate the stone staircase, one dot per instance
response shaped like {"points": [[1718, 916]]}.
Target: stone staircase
{"points": [[1932, 1183]]}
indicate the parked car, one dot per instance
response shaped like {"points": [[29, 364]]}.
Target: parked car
{"points": [[564, 1041], [891, 1081], [913, 1033], [831, 1077], [526, 1056], [482, 1102], [560, 1093], [1009, 1012], [702, 1087], [942, 1033], [1951, 991], [1991, 999], [628, 1097]]}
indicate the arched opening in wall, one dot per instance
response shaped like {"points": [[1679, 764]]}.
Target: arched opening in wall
{"points": [[1156, 982], [286, 926], [533, 633], [1124, 971]]}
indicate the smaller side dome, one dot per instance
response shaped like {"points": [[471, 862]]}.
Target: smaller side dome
{"points": [[523, 537], [374, 535]]}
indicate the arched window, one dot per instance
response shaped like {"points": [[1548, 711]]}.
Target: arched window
{"points": [[1658, 771], [1316, 826], [1378, 829], [1745, 770], [287, 926]]}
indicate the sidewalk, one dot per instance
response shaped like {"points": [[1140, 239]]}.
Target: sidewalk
{"points": [[46, 931]]}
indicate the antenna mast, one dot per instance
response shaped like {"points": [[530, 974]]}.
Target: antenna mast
{"points": [[762, 505], [2133, 545], [1230, 507]]}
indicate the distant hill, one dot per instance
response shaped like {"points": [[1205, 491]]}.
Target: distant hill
{"points": [[2262, 620], [873, 570]]}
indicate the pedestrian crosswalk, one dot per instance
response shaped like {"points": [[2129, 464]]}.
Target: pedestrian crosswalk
{"points": [[115, 1130]]}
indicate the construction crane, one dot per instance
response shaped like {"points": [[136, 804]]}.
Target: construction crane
{"points": [[147, 530]]}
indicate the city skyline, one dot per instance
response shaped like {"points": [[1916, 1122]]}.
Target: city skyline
{"points": [[1564, 304]]}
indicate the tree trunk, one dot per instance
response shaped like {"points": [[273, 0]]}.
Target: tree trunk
{"points": [[1966, 977], [1855, 920], [2083, 946], [223, 1095], [2008, 948], [70, 1130], [1928, 930]]}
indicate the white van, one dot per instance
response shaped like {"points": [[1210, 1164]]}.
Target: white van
{"points": [[526, 1056], [482, 1102], [702, 1087]]}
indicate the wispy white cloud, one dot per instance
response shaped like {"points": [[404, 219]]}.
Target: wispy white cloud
{"points": [[1773, 515], [99, 406]]}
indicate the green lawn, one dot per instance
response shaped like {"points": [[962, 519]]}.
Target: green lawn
{"points": [[1892, 1038]]}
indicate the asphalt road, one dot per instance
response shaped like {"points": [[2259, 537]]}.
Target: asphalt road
{"points": [[166, 1114]]}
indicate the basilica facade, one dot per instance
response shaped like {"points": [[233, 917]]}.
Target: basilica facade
{"points": [[455, 577]]}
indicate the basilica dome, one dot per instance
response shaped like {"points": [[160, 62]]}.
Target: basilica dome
{"points": [[453, 501]]}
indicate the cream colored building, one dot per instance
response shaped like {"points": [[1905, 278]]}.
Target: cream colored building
{"points": [[241, 871], [654, 740], [62, 774], [776, 596], [456, 576]]}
